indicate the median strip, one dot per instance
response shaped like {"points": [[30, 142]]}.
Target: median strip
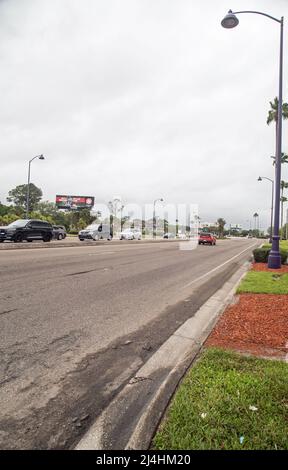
{"points": [[233, 397]]}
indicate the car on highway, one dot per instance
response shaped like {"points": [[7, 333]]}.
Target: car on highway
{"points": [[59, 232], [27, 229], [130, 234], [168, 235], [96, 232], [206, 238]]}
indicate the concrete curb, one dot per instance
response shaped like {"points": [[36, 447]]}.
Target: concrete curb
{"points": [[129, 422]]}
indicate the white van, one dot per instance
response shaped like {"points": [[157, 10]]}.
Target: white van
{"points": [[96, 232]]}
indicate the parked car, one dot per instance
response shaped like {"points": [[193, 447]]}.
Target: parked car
{"points": [[59, 232], [27, 229], [130, 234], [206, 238], [168, 235], [96, 232]]}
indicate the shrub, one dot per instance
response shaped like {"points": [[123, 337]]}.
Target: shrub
{"points": [[261, 255], [284, 255]]}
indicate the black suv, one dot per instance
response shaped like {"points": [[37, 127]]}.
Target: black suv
{"points": [[25, 229], [59, 232]]}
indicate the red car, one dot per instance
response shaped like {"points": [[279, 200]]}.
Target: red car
{"points": [[206, 238]]}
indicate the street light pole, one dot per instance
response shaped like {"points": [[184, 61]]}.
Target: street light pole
{"points": [[272, 203], [154, 217], [114, 209], [41, 157], [230, 21]]}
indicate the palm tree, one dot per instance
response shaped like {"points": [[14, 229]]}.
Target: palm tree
{"points": [[273, 116], [284, 158], [221, 224], [255, 218], [273, 112]]}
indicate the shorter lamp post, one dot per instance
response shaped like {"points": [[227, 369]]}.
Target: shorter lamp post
{"points": [[121, 212], [113, 213], [154, 216], [41, 157], [272, 203]]}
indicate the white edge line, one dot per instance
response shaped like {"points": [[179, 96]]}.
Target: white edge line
{"points": [[218, 267]]}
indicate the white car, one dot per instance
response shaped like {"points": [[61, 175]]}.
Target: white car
{"points": [[130, 234], [168, 235], [95, 232]]}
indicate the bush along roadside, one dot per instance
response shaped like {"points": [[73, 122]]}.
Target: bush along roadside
{"points": [[233, 397], [261, 255]]}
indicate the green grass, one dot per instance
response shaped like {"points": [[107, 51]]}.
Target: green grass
{"points": [[223, 385], [264, 283]]}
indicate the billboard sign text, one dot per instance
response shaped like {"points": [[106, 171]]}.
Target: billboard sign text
{"points": [[74, 202]]}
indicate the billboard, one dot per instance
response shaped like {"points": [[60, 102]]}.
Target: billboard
{"points": [[74, 202]]}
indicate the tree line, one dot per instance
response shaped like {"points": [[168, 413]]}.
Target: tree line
{"points": [[44, 210]]}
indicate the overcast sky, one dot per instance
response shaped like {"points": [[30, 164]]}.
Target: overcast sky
{"points": [[142, 99]]}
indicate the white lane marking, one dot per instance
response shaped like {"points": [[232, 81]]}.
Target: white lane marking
{"points": [[102, 253], [218, 267]]}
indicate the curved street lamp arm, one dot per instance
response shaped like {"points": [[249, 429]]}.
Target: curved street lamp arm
{"points": [[266, 178], [257, 13], [156, 200], [36, 156]]}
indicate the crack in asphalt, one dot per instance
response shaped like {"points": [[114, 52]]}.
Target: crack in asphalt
{"points": [[8, 311]]}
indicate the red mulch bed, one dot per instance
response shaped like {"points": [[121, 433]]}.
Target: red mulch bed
{"points": [[256, 324], [263, 267]]}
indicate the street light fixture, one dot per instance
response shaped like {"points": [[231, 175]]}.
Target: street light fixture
{"points": [[272, 202], [230, 21], [41, 157], [154, 217]]}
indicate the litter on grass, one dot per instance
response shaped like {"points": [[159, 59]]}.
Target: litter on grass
{"points": [[253, 408]]}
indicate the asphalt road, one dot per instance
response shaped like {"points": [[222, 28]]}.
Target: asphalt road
{"points": [[76, 323]]}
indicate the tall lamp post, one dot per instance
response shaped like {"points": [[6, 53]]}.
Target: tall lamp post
{"points": [[154, 216], [272, 202], [41, 157], [230, 21]]}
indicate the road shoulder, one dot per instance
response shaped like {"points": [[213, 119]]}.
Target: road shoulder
{"points": [[132, 417]]}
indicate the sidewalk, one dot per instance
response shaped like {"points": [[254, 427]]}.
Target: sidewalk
{"points": [[235, 395]]}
